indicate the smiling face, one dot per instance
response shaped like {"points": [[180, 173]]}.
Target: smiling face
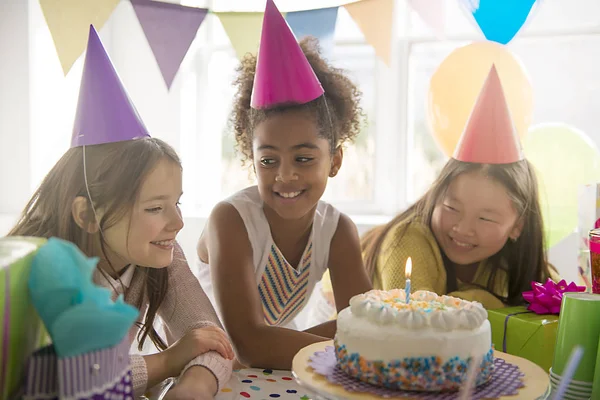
{"points": [[292, 163], [146, 235], [474, 218]]}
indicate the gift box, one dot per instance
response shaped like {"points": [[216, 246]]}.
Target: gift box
{"points": [[100, 374], [588, 218], [523, 333], [21, 331]]}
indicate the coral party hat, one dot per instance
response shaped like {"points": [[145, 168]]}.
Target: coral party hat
{"points": [[490, 136]]}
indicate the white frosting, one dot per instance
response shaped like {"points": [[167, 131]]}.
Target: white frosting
{"points": [[381, 326], [390, 342], [425, 310], [414, 319]]}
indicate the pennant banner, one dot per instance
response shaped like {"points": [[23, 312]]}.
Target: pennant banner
{"points": [[243, 30], [319, 23], [499, 21], [433, 13], [69, 23], [170, 29], [374, 18]]}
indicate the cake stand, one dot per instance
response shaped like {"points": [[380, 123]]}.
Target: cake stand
{"points": [[536, 380]]}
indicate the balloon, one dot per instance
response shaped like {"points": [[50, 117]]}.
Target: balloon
{"points": [[456, 83], [564, 158], [500, 20]]}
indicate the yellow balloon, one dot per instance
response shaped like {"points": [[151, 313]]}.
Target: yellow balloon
{"points": [[456, 83]]}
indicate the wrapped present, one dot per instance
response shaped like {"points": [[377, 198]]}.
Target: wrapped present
{"points": [[88, 358], [21, 330], [588, 218], [96, 375], [523, 333]]}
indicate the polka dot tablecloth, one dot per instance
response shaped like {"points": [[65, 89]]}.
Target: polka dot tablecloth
{"points": [[262, 384]]}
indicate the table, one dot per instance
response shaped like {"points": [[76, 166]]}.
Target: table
{"points": [[262, 384]]}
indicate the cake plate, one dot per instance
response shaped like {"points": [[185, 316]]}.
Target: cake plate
{"points": [[536, 380]]}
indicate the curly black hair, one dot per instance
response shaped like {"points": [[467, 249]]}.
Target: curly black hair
{"points": [[338, 111]]}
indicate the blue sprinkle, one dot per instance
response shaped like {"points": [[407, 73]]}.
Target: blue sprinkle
{"points": [[246, 381], [274, 395]]}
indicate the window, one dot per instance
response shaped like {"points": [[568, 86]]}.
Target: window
{"points": [[560, 50], [53, 100], [395, 158]]}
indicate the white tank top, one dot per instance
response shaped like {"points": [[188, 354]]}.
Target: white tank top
{"points": [[284, 290]]}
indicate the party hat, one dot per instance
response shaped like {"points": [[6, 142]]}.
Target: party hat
{"points": [[105, 114], [490, 136], [283, 74]]}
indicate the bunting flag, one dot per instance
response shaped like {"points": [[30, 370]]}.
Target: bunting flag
{"points": [[170, 30], [243, 30], [374, 18], [69, 23], [433, 13], [319, 23], [500, 21]]}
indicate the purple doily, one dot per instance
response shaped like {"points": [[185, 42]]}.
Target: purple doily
{"points": [[506, 380]]}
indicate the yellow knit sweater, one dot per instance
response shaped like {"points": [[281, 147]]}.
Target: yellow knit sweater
{"points": [[416, 240]]}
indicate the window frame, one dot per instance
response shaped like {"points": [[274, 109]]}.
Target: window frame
{"points": [[393, 135]]}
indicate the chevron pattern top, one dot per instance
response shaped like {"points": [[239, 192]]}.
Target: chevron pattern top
{"points": [[282, 288]]}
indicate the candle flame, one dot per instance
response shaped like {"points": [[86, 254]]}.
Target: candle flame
{"points": [[408, 269]]}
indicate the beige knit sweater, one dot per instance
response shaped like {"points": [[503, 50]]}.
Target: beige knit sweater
{"points": [[185, 307]]}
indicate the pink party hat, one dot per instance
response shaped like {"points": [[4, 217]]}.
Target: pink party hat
{"points": [[105, 114], [283, 74], [490, 136]]}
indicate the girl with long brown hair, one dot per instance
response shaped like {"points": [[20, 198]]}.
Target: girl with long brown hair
{"points": [[477, 233], [115, 194]]}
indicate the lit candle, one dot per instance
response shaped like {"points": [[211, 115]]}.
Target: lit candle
{"points": [[407, 271]]}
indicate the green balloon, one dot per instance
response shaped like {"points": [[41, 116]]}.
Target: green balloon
{"points": [[564, 158]]}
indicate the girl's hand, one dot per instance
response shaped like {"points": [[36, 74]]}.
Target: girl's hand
{"points": [[196, 342], [197, 383], [202, 340]]}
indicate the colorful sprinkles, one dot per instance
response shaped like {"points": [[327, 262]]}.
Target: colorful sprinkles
{"points": [[420, 301], [413, 373]]}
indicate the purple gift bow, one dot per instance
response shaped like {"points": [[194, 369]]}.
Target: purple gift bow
{"points": [[546, 298]]}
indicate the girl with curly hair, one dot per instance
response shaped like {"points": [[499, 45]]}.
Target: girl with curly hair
{"points": [[264, 248]]}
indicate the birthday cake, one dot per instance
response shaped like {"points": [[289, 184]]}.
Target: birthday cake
{"points": [[426, 344]]}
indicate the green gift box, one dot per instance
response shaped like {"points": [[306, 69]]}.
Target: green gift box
{"points": [[21, 330], [523, 333]]}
